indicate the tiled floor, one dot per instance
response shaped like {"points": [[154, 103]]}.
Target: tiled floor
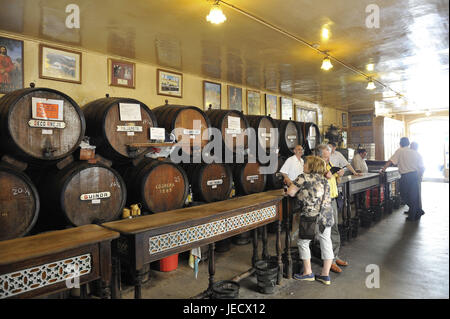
{"points": [[412, 258]]}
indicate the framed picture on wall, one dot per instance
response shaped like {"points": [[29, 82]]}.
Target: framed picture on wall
{"points": [[306, 115], [169, 83], [271, 106], [11, 65], [59, 64], [122, 73], [253, 102], [234, 98], [286, 108], [212, 95], [344, 119]]}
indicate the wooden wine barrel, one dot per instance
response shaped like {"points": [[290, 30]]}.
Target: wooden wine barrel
{"points": [[311, 136], [276, 180], [19, 203], [81, 194], [183, 119], [265, 138], [54, 131], [210, 182], [232, 124], [115, 122], [158, 185], [248, 179], [289, 136]]}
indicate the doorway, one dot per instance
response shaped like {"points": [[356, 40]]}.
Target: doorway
{"points": [[432, 136]]}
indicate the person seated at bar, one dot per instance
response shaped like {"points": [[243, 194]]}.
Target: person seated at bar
{"points": [[339, 160], [324, 152], [359, 161], [312, 188], [410, 166]]}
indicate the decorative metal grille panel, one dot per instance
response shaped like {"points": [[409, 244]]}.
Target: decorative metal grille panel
{"points": [[21, 281], [182, 237]]}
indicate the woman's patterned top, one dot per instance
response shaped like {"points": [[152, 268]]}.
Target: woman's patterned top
{"points": [[312, 188]]}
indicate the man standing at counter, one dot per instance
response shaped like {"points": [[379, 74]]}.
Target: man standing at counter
{"points": [[359, 161], [339, 160], [410, 167], [293, 166]]}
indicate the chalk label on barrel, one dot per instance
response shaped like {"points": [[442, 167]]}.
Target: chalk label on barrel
{"points": [[47, 132], [252, 178], [266, 134], [126, 128], [94, 196], [233, 131], [96, 201], [292, 137], [46, 124]]}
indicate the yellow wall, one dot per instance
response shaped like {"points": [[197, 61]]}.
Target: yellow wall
{"points": [[95, 83]]}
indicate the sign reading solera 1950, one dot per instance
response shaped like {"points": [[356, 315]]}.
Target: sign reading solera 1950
{"points": [[93, 196]]}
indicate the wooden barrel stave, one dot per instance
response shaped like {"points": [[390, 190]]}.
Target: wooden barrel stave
{"points": [[158, 185], [210, 182], [103, 122], [19, 203], [36, 145]]}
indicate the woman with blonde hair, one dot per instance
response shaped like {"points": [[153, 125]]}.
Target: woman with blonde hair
{"points": [[311, 187]]}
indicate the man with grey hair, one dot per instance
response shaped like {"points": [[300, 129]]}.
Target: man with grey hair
{"points": [[324, 152]]}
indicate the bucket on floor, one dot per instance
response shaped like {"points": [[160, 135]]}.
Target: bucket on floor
{"points": [[242, 239], [225, 289], [266, 274], [169, 263]]}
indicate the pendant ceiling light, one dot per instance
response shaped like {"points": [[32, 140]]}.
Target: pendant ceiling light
{"points": [[370, 85], [326, 64], [216, 15]]}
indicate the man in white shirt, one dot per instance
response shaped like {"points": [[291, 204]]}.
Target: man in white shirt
{"points": [[359, 161], [410, 166], [293, 166], [338, 160]]}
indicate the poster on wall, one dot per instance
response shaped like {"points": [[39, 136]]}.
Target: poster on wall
{"points": [[271, 106], [253, 102], [234, 98], [58, 64], [122, 73], [286, 109], [170, 83], [11, 65], [212, 95]]}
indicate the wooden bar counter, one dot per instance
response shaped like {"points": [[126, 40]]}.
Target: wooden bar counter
{"points": [[48, 263], [149, 238]]}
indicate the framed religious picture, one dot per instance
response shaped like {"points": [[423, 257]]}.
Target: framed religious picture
{"points": [[271, 106], [11, 65], [253, 102], [169, 83], [286, 108], [234, 98], [59, 64], [212, 95], [122, 73]]}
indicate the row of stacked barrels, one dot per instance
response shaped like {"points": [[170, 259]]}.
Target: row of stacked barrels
{"points": [[41, 175]]}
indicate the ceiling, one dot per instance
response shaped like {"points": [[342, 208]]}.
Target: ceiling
{"points": [[409, 49]]}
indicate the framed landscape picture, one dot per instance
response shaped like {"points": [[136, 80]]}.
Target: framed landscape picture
{"points": [[212, 94], [234, 98], [253, 102], [286, 109], [271, 106], [11, 65], [122, 73], [59, 64], [169, 83]]}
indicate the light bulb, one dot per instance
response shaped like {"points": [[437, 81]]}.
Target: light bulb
{"points": [[371, 85], [216, 15], [370, 67], [326, 64]]}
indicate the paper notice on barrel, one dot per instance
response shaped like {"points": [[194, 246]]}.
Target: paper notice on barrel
{"points": [[234, 122], [130, 112], [47, 109], [157, 133]]}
